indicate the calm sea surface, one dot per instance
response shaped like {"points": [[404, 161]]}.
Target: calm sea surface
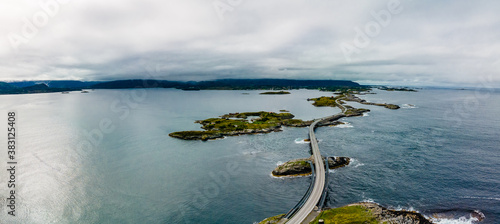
{"points": [[105, 156]]}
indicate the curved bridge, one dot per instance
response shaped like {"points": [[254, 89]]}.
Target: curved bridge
{"points": [[316, 195], [319, 180]]}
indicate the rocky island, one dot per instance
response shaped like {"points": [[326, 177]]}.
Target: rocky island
{"points": [[241, 123], [301, 167], [403, 89], [350, 97], [338, 101], [234, 124]]}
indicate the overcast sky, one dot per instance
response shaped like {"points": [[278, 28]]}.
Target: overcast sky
{"points": [[373, 42]]}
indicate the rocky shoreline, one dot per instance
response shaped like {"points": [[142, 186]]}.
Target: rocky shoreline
{"points": [[231, 121], [350, 97], [363, 212], [208, 135], [302, 167], [385, 215], [392, 216]]}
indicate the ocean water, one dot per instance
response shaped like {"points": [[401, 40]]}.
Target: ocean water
{"points": [[105, 156]]}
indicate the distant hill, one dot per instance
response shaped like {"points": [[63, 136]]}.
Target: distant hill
{"points": [[38, 88], [230, 84], [221, 84], [56, 84], [6, 86], [273, 84], [136, 83]]}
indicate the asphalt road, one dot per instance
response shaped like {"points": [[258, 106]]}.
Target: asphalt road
{"points": [[319, 183]]}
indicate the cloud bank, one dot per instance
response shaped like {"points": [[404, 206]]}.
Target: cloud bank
{"points": [[374, 42]]}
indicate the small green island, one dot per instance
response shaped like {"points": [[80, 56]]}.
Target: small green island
{"points": [[241, 123], [275, 93], [402, 89], [302, 167], [337, 101]]}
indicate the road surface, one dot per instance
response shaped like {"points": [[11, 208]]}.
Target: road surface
{"points": [[319, 183]]}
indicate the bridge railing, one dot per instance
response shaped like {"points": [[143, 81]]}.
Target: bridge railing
{"points": [[305, 197], [321, 202]]}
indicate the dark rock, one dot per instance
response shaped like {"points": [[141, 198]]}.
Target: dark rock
{"points": [[293, 167], [299, 167], [337, 162], [385, 215]]}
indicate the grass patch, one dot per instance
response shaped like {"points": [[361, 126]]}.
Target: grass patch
{"points": [[351, 111], [234, 123], [347, 215], [293, 121], [325, 101], [300, 163]]}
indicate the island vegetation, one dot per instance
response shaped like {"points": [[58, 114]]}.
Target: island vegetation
{"points": [[241, 123], [234, 124], [363, 212], [275, 93], [368, 212], [338, 101]]}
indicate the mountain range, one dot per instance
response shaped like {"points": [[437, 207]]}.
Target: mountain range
{"points": [[44, 86]]}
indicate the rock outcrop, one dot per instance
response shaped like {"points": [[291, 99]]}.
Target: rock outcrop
{"points": [[385, 215], [300, 167], [296, 167], [350, 97], [211, 135], [337, 162], [272, 220]]}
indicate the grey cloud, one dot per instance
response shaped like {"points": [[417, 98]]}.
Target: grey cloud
{"points": [[428, 43]]}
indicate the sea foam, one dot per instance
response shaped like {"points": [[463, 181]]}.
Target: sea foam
{"points": [[300, 141], [408, 106], [345, 125], [461, 220]]}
